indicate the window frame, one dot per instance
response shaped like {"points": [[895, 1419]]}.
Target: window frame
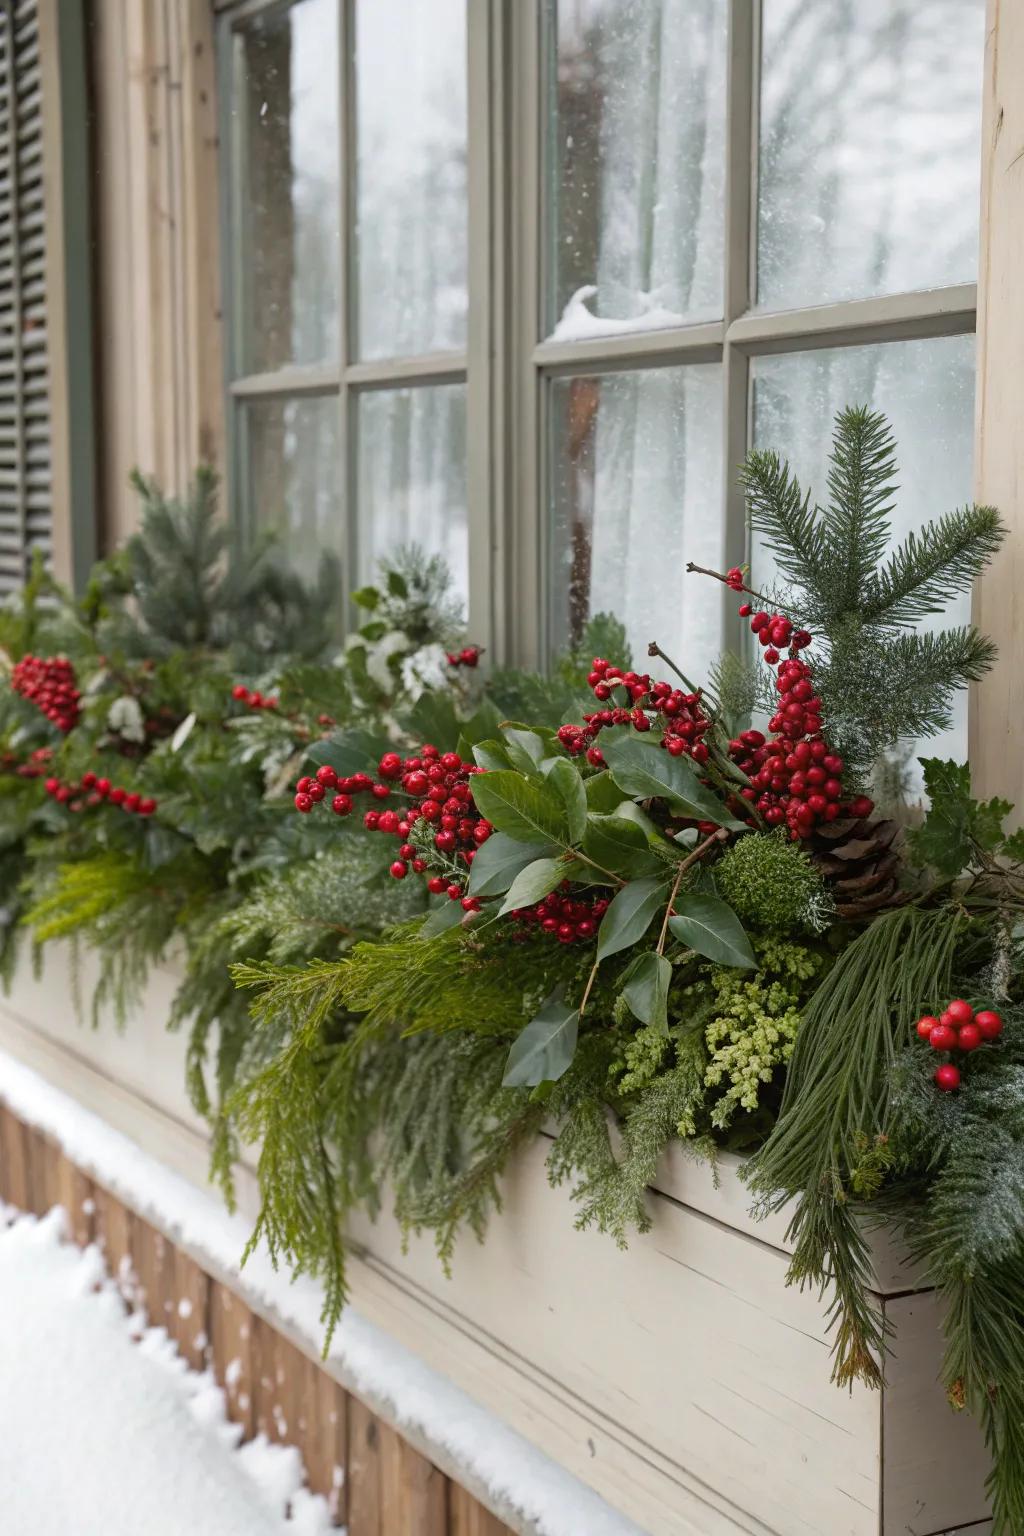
{"points": [[508, 365]]}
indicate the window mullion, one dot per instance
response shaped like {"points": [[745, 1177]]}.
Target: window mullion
{"points": [[347, 276]]}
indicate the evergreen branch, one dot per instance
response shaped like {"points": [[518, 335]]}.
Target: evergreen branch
{"points": [[944, 557], [791, 529], [855, 525]]}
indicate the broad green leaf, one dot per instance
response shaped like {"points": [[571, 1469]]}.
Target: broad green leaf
{"points": [[603, 794], [711, 928], [629, 915], [434, 718], [521, 808], [498, 861], [568, 785], [346, 754], [645, 988], [441, 918], [532, 884], [628, 810], [397, 584], [544, 1050], [483, 723], [617, 844], [491, 755], [366, 597], [525, 748], [645, 770]]}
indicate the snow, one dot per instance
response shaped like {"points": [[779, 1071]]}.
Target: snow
{"points": [[579, 324], [102, 1422], [518, 1478]]}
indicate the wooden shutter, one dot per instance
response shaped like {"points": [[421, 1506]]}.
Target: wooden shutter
{"points": [[26, 507]]}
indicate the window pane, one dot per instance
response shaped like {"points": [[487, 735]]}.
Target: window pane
{"points": [[289, 204], [292, 473], [411, 129], [637, 493], [926, 389], [412, 476], [870, 147], [637, 165]]}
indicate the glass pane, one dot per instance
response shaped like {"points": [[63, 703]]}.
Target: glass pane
{"points": [[289, 204], [412, 476], [637, 493], [870, 147], [293, 472], [926, 388], [637, 164], [410, 66]]}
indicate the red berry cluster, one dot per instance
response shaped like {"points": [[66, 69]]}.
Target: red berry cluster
{"points": [[958, 1028], [36, 765], [684, 721], [92, 791], [569, 918], [50, 684], [437, 788], [469, 656], [795, 778], [251, 698]]}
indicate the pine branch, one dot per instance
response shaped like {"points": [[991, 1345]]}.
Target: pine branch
{"points": [[944, 557], [855, 525], [792, 530]]}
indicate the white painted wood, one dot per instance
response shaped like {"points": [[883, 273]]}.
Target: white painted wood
{"points": [[682, 1379]]}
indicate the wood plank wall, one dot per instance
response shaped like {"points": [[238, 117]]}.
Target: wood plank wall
{"points": [[376, 1484], [159, 333]]}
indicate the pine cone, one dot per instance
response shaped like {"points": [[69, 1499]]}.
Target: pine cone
{"points": [[861, 860]]}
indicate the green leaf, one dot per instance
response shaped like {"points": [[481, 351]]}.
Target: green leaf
{"points": [[603, 794], [491, 755], [346, 754], [616, 843], [498, 861], [645, 988], [544, 1050], [397, 584], [483, 723], [525, 748], [366, 597], [956, 825], [568, 785], [524, 810], [709, 926], [644, 770], [532, 884], [441, 918], [433, 718], [629, 915]]}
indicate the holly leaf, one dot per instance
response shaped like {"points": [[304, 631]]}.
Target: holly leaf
{"points": [[1013, 846], [616, 843], [645, 771], [629, 915], [568, 785], [498, 861], [710, 927], [544, 1049], [521, 808], [645, 988], [956, 825], [532, 884]]}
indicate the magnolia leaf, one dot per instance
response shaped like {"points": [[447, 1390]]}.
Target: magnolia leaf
{"points": [[497, 862], [629, 915], [568, 785], [617, 844], [532, 884], [603, 794], [183, 732], [709, 926], [522, 809], [644, 770], [544, 1050], [525, 748], [645, 988]]}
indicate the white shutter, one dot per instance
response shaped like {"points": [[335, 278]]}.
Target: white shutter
{"points": [[25, 491]]}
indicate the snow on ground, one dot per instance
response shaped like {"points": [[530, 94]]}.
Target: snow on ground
{"points": [[104, 1431], [519, 1479]]}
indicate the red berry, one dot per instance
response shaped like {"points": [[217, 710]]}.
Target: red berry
{"points": [[454, 892], [435, 885], [117, 795], [925, 1025], [416, 783], [947, 1077], [959, 1011], [132, 802], [315, 792], [147, 807], [399, 869], [371, 821], [990, 1024], [380, 791], [861, 806], [302, 787], [419, 865], [943, 1038], [240, 692], [341, 805], [88, 781], [390, 766], [327, 777], [970, 1037]]}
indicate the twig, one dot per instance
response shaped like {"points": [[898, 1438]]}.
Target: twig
{"points": [[586, 991], [705, 570], [720, 835]]}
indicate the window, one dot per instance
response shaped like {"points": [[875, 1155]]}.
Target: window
{"points": [[542, 344]]}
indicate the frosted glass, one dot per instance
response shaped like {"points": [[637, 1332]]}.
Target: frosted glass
{"points": [[636, 493], [289, 214], [870, 142], [636, 163], [292, 475], [412, 476], [926, 389], [411, 128]]}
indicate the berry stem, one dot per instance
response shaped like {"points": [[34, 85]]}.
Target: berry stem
{"points": [[654, 649], [586, 990], [705, 570], [720, 835]]}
